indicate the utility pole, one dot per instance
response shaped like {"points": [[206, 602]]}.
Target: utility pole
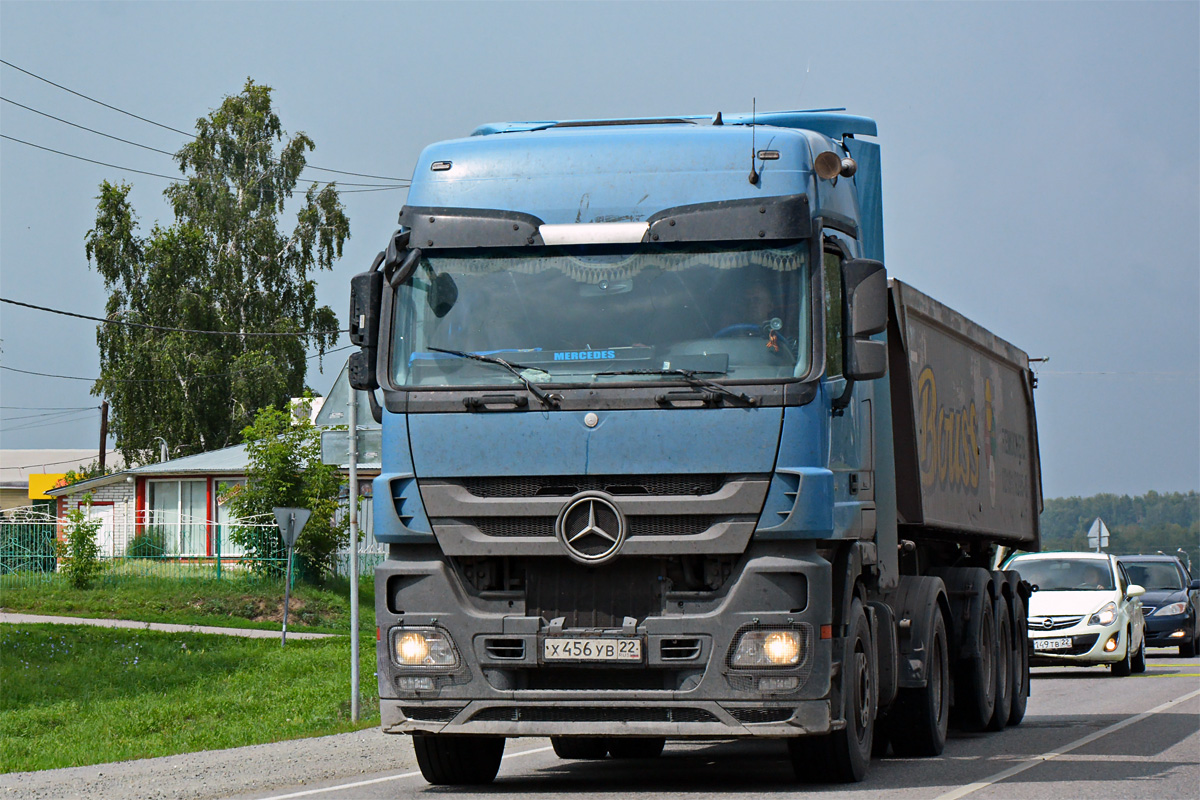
{"points": [[103, 433], [353, 420]]}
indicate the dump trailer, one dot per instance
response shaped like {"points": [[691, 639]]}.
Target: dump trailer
{"points": [[666, 456]]}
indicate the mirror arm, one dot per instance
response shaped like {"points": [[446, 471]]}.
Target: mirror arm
{"points": [[376, 409]]}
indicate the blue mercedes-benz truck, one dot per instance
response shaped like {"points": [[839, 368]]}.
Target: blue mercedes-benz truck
{"points": [[666, 455]]}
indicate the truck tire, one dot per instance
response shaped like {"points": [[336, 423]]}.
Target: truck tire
{"points": [[636, 747], [581, 748], [1004, 663], [1020, 681], [844, 755], [458, 760], [920, 717], [1124, 667], [975, 689]]}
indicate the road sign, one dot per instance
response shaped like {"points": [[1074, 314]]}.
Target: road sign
{"points": [[1098, 535], [291, 521], [335, 448]]}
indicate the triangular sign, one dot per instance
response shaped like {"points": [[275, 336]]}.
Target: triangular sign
{"points": [[291, 521]]}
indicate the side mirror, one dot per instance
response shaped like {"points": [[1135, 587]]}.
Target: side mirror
{"points": [[443, 294], [1134, 590], [1194, 586], [366, 294], [866, 291]]}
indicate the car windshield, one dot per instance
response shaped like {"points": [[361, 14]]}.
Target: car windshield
{"points": [[1154, 575], [1066, 574], [566, 315]]}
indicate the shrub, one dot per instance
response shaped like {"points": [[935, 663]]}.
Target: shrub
{"points": [[80, 553], [149, 543]]}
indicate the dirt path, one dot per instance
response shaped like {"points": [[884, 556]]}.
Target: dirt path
{"points": [[250, 633]]}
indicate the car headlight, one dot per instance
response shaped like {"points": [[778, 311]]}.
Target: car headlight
{"points": [[1105, 615], [423, 647], [781, 648], [1174, 608]]}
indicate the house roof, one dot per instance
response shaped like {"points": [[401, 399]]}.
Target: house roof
{"points": [[226, 461]]}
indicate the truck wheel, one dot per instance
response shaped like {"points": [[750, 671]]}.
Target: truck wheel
{"points": [[1020, 659], [1139, 661], [1124, 667], [1004, 660], [458, 760], [636, 748], [582, 748], [975, 695], [919, 720], [844, 755]]}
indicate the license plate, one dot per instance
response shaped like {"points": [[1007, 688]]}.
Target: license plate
{"points": [[1052, 644], [592, 650]]}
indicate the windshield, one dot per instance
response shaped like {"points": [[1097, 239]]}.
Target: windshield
{"points": [[1154, 575], [1066, 575], [567, 314]]}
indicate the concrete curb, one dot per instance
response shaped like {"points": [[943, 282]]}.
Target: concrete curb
{"points": [[249, 633]]}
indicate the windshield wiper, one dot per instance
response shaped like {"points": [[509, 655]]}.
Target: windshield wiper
{"points": [[692, 377], [546, 399]]}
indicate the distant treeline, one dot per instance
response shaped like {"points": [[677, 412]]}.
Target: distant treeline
{"points": [[1145, 524]]}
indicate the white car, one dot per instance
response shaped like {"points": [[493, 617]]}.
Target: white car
{"points": [[1084, 610]]}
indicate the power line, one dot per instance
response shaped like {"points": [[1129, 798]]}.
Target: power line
{"points": [[79, 461], [176, 179], [176, 130], [160, 327], [85, 128], [54, 413], [49, 408], [167, 380], [76, 416]]}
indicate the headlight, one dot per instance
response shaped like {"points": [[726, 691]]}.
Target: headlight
{"points": [[423, 647], [1174, 608], [767, 649], [1104, 616]]}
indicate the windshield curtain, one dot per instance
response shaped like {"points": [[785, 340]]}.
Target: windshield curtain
{"points": [[1066, 575], [566, 314]]}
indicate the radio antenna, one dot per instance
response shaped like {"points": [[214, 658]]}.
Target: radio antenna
{"points": [[753, 116]]}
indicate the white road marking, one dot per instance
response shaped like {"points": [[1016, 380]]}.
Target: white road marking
{"points": [[1033, 761], [339, 787]]}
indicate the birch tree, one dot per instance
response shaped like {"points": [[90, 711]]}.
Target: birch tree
{"points": [[224, 264]]}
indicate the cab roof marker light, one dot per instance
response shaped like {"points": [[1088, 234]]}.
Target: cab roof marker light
{"points": [[594, 233]]}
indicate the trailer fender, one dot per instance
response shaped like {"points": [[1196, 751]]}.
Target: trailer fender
{"points": [[915, 602], [967, 588]]}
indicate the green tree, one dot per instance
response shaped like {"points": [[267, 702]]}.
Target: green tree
{"points": [[225, 264], [285, 470]]}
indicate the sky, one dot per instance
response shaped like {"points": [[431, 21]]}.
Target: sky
{"points": [[1041, 164]]}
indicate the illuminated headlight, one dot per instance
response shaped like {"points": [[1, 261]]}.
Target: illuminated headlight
{"points": [[1104, 616], [767, 649], [423, 647], [1174, 608]]}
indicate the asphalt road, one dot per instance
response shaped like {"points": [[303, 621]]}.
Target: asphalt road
{"points": [[1085, 735]]}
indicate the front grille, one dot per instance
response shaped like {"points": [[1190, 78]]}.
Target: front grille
{"points": [[430, 713], [593, 714], [656, 525], [592, 597], [586, 679], [679, 649], [505, 648], [758, 715], [617, 485], [1148, 610], [1056, 623]]}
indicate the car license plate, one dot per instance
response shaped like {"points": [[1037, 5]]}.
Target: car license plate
{"points": [[592, 650], [1052, 644]]}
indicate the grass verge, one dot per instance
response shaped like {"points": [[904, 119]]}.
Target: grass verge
{"points": [[77, 695], [236, 602]]}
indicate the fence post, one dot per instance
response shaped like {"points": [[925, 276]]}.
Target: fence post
{"points": [[218, 552]]}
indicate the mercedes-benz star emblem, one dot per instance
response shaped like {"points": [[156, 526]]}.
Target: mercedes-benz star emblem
{"points": [[590, 528]]}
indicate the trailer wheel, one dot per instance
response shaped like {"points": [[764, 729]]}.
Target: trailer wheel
{"points": [[975, 695], [1004, 661], [458, 760], [844, 755], [1020, 671], [636, 747], [581, 748], [921, 716]]}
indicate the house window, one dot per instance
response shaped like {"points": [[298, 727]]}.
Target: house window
{"points": [[178, 511], [223, 514]]}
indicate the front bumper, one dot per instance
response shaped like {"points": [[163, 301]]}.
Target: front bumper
{"points": [[1169, 631], [1087, 645], [503, 686]]}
